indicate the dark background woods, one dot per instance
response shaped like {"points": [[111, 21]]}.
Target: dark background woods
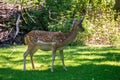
{"points": [[102, 20]]}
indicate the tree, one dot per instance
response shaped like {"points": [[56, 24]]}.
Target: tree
{"points": [[117, 8]]}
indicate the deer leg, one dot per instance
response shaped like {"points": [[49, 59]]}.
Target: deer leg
{"points": [[31, 57], [62, 58], [25, 55], [30, 50], [53, 59]]}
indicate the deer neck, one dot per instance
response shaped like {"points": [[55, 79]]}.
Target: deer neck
{"points": [[73, 33], [71, 36]]}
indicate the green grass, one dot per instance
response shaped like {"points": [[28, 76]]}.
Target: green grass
{"points": [[83, 63]]}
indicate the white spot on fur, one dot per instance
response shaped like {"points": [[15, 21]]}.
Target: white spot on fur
{"points": [[46, 43]]}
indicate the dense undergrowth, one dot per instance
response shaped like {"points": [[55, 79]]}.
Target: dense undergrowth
{"points": [[102, 21]]}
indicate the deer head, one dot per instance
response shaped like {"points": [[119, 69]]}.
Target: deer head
{"points": [[78, 24], [81, 28]]}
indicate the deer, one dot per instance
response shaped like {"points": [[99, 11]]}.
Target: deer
{"points": [[46, 41]]}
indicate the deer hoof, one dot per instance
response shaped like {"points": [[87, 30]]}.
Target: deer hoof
{"points": [[52, 70], [65, 68]]}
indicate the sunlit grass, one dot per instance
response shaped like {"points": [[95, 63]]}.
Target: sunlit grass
{"points": [[83, 63]]}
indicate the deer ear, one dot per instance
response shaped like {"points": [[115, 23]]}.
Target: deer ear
{"points": [[74, 20], [81, 20]]}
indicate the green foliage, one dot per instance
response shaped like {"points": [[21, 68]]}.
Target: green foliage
{"points": [[97, 63], [102, 25], [57, 15], [36, 20]]}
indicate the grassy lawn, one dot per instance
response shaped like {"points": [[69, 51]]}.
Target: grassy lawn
{"points": [[83, 63]]}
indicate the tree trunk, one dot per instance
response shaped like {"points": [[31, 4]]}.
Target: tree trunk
{"points": [[117, 8], [117, 5]]}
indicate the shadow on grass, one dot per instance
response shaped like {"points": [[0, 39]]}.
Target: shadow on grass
{"points": [[85, 71], [104, 57], [97, 54], [82, 72]]}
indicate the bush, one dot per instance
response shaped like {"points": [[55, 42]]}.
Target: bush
{"points": [[57, 15]]}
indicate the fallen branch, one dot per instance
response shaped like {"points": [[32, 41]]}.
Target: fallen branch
{"points": [[17, 26], [51, 17]]}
